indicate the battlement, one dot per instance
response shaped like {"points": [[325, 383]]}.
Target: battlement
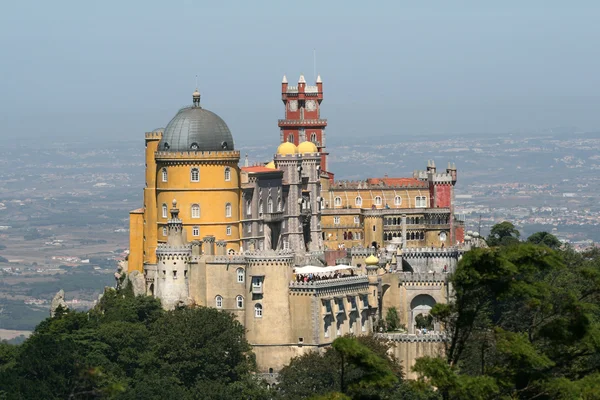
{"points": [[164, 250], [154, 135], [236, 258], [265, 256], [333, 286], [205, 155], [422, 252], [437, 337], [374, 183], [361, 252], [426, 277]]}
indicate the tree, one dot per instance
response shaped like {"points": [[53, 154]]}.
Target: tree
{"points": [[523, 324], [392, 320], [545, 239], [424, 321], [503, 234]]}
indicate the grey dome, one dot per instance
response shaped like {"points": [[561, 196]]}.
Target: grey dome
{"points": [[196, 129]]}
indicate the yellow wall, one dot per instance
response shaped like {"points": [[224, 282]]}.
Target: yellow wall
{"points": [[149, 237], [136, 241], [348, 197]]}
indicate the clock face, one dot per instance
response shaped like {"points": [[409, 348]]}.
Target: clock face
{"points": [[311, 105], [443, 236], [293, 105]]}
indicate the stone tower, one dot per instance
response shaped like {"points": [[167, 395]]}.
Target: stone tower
{"points": [[173, 259], [303, 115]]}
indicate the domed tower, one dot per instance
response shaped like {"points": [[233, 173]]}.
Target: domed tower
{"points": [[196, 162], [171, 276]]}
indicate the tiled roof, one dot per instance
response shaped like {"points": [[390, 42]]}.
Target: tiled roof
{"points": [[396, 182], [259, 169]]}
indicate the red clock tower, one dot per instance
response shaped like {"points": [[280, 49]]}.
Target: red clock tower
{"points": [[303, 115]]}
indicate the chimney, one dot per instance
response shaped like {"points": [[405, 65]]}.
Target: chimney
{"points": [[209, 249]]}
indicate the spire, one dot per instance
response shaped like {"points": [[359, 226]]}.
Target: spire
{"points": [[319, 79], [196, 98], [284, 80], [428, 163], [246, 160], [301, 80], [175, 227]]}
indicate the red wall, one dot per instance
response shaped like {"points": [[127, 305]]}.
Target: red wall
{"points": [[444, 195]]}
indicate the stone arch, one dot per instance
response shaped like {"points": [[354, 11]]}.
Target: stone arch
{"points": [[421, 304], [406, 267]]}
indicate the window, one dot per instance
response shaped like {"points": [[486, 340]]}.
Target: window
{"points": [[357, 220], [228, 230], [228, 210], [249, 208], [164, 211], [240, 275], [164, 231], [313, 137], [195, 211], [260, 227], [249, 228], [164, 174], [420, 201], [377, 200], [358, 201], [174, 274], [260, 208], [239, 301], [337, 201], [195, 175], [227, 174], [397, 200], [291, 138], [196, 231], [279, 209], [270, 205], [336, 220], [258, 310], [219, 302]]}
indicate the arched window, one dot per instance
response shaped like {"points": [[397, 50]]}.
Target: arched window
{"points": [[260, 208], [228, 210], [358, 201], [337, 201], [397, 200], [219, 302], [195, 211], [164, 231], [165, 211], [422, 235], [258, 310], [196, 231], [377, 200], [248, 208], [228, 230], [240, 275], [227, 173], [195, 175], [313, 137], [291, 138], [279, 204], [239, 300], [270, 205], [164, 174]]}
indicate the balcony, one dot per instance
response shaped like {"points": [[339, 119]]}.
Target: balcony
{"points": [[275, 216], [301, 122], [358, 284]]}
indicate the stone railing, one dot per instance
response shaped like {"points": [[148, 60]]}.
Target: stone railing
{"points": [[335, 285], [273, 216], [300, 122], [410, 337], [422, 277], [228, 259], [415, 252], [361, 251]]}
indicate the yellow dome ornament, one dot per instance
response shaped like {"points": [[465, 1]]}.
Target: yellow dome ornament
{"points": [[372, 260], [307, 147], [270, 165], [287, 148]]}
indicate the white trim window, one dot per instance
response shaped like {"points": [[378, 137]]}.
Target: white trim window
{"points": [[378, 200], [164, 175], [336, 220], [249, 228], [240, 275], [397, 201], [228, 230], [258, 310], [357, 220], [227, 174], [248, 208], [420, 202], [228, 210], [239, 301], [196, 231], [270, 205], [358, 201], [313, 137], [337, 202], [195, 175], [260, 208], [164, 231], [219, 302], [195, 211], [279, 208], [165, 211]]}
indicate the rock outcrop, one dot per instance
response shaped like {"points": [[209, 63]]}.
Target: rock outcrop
{"points": [[58, 301]]}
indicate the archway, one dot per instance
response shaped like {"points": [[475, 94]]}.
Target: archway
{"points": [[420, 306]]}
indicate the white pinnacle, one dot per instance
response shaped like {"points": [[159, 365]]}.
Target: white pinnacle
{"points": [[284, 80], [319, 79], [301, 80]]}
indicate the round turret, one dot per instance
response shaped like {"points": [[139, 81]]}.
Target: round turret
{"points": [[287, 148], [307, 147]]}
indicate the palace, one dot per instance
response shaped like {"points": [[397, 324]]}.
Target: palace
{"points": [[297, 256]]}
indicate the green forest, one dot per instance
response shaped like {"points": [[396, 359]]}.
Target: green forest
{"points": [[523, 324]]}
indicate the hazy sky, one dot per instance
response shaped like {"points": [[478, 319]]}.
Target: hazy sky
{"points": [[121, 68]]}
